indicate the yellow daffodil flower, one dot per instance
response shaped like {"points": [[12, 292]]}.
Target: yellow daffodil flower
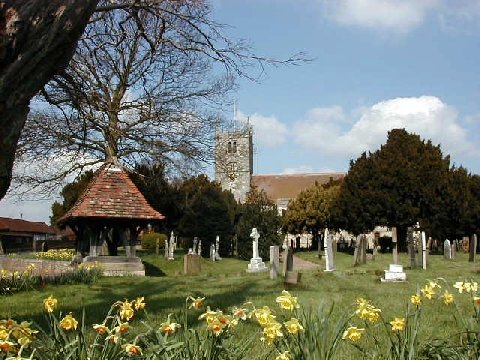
{"points": [[50, 303], [352, 333], [240, 313], [287, 301], [139, 303], [68, 322], [283, 356], [264, 315], [169, 327], [133, 349], [271, 332], [100, 329], [126, 310], [398, 324], [447, 298], [416, 299], [428, 291], [196, 303], [293, 326]]}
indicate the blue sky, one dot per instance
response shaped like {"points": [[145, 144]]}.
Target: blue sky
{"points": [[377, 65]]}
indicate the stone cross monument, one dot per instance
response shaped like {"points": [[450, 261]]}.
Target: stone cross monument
{"points": [[171, 247], [256, 263]]}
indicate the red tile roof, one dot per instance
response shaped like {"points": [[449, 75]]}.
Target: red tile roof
{"points": [[24, 226], [289, 186], [112, 195]]}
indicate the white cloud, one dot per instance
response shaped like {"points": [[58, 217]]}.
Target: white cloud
{"points": [[399, 16], [268, 131], [426, 116]]}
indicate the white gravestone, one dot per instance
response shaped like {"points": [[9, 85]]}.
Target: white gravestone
{"points": [[256, 264], [327, 244], [424, 251], [199, 247], [447, 249], [394, 273], [166, 249], [195, 246], [212, 252], [171, 247], [217, 248]]}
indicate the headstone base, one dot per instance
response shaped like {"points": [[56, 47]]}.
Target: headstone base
{"points": [[394, 273], [256, 265], [293, 277], [118, 265]]}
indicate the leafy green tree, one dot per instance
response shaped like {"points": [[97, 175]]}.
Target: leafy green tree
{"points": [[162, 194], [70, 194], [259, 212], [397, 185], [207, 211], [311, 211]]}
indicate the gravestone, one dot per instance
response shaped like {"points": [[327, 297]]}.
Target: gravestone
{"points": [[411, 247], [212, 252], [195, 245], [171, 247], [394, 245], [424, 251], [329, 266], [199, 247], [453, 249], [256, 264], [360, 253], [217, 248], [447, 252], [166, 249], [394, 273], [288, 260], [274, 261], [473, 248], [293, 278], [191, 264]]}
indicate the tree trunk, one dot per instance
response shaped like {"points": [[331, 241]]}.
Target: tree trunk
{"points": [[37, 40]]}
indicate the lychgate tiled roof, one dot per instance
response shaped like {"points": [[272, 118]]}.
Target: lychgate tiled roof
{"points": [[289, 186], [23, 226], [112, 194]]}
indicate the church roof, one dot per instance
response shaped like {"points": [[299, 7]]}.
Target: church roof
{"points": [[289, 186], [24, 226], [112, 195]]}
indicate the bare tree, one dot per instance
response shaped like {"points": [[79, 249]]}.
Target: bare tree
{"points": [[37, 39], [145, 83]]}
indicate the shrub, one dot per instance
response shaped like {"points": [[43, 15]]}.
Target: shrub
{"points": [[149, 241]]}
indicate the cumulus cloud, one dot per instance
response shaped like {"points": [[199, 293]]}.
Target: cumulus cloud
{"points": [[394, 15], [268, 131], [426, 116]]}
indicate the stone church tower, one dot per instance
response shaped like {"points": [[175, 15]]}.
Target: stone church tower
{"points": [[234, 161]]}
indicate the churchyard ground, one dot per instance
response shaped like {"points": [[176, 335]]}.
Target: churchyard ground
{"points": [[226, 284]]}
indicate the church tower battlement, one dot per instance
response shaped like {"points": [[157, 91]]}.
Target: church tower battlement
{"points": [[234, 161]]}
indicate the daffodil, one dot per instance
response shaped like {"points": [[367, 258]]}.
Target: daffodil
{"points": [[139, 303], [68, 322], [100, 329], [367, 311], [476, 299], [447, 298], [293, 326], [133, 349], [264, 315], [216, 326], [271, 332], [352, 333], [208, 315], [459, 286], [169, 327], [416, 299], [122, 328], [287, 301], [126, 310], [240, 313], [50, 303], [428, 291], [196, 303], [283, 356], [6, 346], [398, 324]]}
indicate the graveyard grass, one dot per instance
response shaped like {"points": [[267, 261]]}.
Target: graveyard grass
{"points": [[225, 284]]}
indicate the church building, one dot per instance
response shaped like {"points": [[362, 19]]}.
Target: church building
{"points": [[234, 170]]}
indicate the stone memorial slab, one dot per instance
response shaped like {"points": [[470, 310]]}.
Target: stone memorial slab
{"points": [[394, 273], [293, 278], [191, 264], [447, 249], [424, 251], [217, 248], [274, 261], [473, 249], [287, 260], [329, 266]]}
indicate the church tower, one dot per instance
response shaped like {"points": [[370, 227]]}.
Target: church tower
{"points": [[234, 161]]}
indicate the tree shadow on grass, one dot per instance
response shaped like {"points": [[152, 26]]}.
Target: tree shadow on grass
{"points": [[152, 270]]}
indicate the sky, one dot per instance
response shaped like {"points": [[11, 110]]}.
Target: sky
{"points": [[375, 65]]}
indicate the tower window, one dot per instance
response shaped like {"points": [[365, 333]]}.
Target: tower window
{"points": [[229, 147], [234, 146]]}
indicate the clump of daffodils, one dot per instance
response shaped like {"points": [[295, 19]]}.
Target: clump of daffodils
{"points": [[56, 254], [365, 310], [218, 322]]}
